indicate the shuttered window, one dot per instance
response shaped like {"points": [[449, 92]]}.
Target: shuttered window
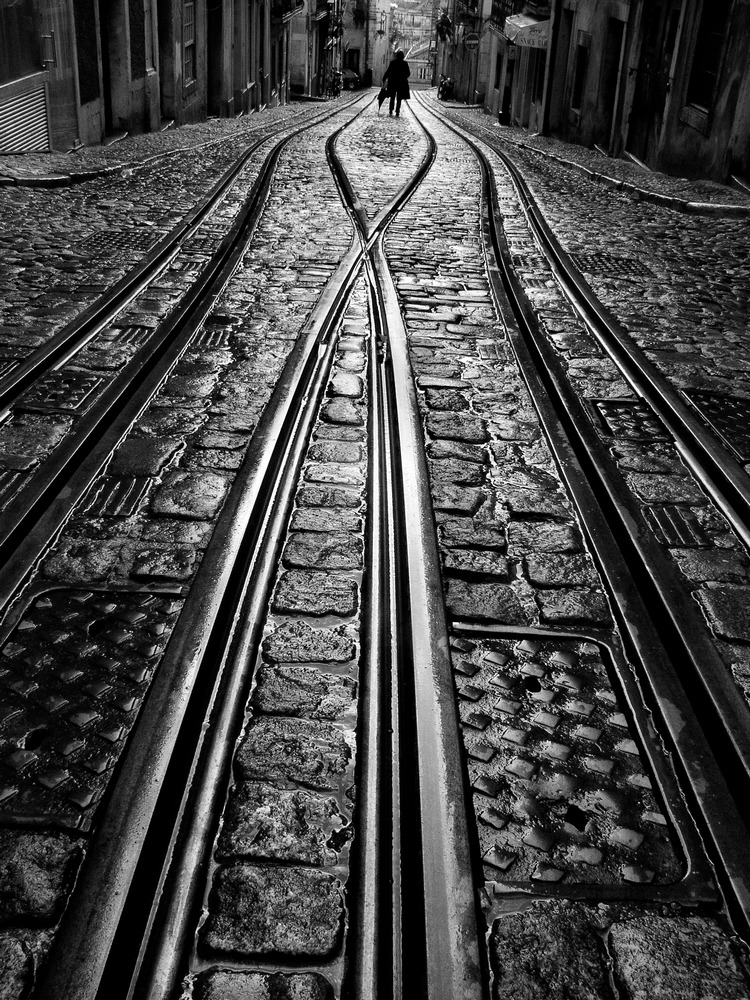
{"points": [[188, 42], [709, 46]]}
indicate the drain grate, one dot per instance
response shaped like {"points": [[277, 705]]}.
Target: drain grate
{"points": [[73, 675], [10, 484], [608, 265], [728, 416], [631, 419], [60, 391], [117, 496], [676, 526], [562, 790], [125, 241], [127, 336]]}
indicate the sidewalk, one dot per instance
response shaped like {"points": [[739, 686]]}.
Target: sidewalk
{"points": [[132, 151]]}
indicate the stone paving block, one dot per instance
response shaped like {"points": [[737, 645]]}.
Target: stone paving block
{"points": [[36, 871], [494, 602], [662, 958], [190, 494], [444, 449], [212, 458], [82, 561], [315, 550], [289, 912], [339, 432], [508, 429], [715, 565], [454, 471], [549, 951], [327, 496], [573, 607], [343, 411], [172, 532], [33, 435], [314, 592], [223, 984], [552, 569], [164, 564], [726, 609], [310, 753], [263, 823], [348, 385], [457, 499], [466, 532], [299, 642], [543, 536], [340, 473], [456, 426], [446, 399], [335, 451], [477, 561], [326, 519], [22, 952], [288, 689], [142, 456], [665, 489], [176, 422]]}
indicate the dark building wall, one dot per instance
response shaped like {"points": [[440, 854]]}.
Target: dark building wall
{"points": [[706, 128]]}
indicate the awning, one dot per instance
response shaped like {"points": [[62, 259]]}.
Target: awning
{"points": [[524, 29]]}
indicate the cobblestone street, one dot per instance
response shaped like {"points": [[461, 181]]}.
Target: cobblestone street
{"points": [[375, 513]]}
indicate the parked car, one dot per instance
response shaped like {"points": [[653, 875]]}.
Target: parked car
{"points": [[351, 79]]}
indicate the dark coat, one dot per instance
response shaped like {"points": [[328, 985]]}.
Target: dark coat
{"points": [[396, 78]]}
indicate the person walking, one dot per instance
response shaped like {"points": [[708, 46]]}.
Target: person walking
{"points": [[397, 77]]}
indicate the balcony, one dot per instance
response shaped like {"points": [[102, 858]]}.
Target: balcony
{"points": [[500, 10], [284, 10]]}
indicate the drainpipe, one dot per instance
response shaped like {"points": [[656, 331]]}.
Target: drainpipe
{"points": [[549, 81]]}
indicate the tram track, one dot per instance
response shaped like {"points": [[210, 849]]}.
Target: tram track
{"points": [[130, 839], [701, 712], [32, 515], [415, 893]]}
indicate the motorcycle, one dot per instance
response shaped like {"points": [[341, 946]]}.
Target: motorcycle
{"points": [[445, 88]]}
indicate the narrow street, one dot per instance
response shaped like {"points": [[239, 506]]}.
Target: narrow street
{"points": [[374, 519]]}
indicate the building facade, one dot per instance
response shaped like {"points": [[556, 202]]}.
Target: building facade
{"points": [[82, 71], [666, 83]]}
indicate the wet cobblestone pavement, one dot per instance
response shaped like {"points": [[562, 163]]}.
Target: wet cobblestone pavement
{"points": [[561, 771]]}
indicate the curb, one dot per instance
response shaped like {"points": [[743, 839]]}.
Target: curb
{"points": [[636, 193]]}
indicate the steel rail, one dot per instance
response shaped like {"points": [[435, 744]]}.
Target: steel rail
{"points": [[36, 514], [713, 464], [157, 828], [435, 928], [99, 314], [608, 518]]}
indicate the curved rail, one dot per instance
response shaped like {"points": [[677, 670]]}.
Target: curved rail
{"points": [[660, 630], [159, 825], [32, 518]]}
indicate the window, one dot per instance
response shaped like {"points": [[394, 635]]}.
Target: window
{"points": [[707, 56], [579, 73], [188, 43]]}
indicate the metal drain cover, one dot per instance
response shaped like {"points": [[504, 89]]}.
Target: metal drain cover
{"points": [[728, 416], [563, 791], [60, 392], [628, 418], [73, 675], [110, 242], [608, 265]]}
